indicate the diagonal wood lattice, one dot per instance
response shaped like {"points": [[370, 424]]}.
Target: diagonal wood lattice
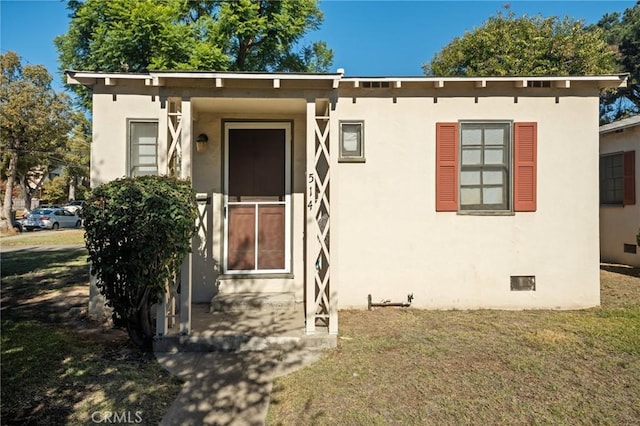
{"points": [[174, 163], [174, 124], [320, 312]]}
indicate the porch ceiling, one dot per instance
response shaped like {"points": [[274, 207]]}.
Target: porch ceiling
{"points": [[249, 105]]}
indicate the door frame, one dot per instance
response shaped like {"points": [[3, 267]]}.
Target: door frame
{"points": [[257, 125]]}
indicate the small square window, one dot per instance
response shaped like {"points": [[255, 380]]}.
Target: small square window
{"points": [[352, 141]]}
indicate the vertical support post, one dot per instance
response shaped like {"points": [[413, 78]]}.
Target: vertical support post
{"points": [[319, 296], [163, 137], [187, 265], [310, 215]]}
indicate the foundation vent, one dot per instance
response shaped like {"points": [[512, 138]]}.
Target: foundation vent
{"points": [[631, 248], [523, 283]]}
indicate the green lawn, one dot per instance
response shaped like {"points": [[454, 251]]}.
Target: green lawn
{"points": [[401, 367], [38, 238], [392, 366], [57, 366]]}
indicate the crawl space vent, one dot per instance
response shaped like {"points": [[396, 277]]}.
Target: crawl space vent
{"points": [[523, 283]]}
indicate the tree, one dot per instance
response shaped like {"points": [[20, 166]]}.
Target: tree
{"points": [[142, 35], [138, 231], [622, 33], [55, 190], [76, 158], [34, 121], [525, 46]]}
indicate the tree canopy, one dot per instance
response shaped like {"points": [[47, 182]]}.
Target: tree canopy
{"points": [[506, 45], [622, 32], [34, 121], [142, 35]]}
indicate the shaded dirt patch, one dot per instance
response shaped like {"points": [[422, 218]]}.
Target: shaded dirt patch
{"points": [[58, 365]]}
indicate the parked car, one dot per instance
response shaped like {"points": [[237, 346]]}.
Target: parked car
{"points": [[75, 206], [50, 219]]}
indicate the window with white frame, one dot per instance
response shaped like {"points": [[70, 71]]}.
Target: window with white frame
{"points": [[352, 141], [485, 166], [143, 148]]}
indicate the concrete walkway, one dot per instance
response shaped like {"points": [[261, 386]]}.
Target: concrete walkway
{"points": [[229, 388]]}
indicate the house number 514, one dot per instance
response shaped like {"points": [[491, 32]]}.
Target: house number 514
{"points": [[311, 189]]}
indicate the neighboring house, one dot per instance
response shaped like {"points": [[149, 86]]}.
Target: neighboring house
{"points": [[475, 192], [619, 186]]}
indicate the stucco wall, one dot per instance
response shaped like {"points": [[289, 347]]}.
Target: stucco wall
{"points": [[619, 224], [109, 149], [109, 160], [388, 240]]}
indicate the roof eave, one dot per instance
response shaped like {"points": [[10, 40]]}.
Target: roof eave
{"points": [[158, 78], [625, 123], [603, 81]]}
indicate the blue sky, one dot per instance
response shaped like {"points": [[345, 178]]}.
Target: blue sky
{"points": [[369, 38]]}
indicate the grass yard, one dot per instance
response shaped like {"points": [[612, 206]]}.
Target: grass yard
{"points": [[402, 367], [392, 366], [57, 366], [57, 238]]}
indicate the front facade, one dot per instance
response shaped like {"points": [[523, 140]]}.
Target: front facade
{"points": [[464, 192], [619, 186]]}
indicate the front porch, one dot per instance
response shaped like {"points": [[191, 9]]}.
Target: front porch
{"points": [[269, 235]]}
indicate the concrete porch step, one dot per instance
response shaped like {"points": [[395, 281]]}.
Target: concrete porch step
{"points": [[243, 343], [238, 330], [233, 302]]}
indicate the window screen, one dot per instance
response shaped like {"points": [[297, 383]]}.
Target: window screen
{"points": [[143, 148]]}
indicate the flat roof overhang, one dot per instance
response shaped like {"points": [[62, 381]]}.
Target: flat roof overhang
{"points": [[165, 78], [334, 80]]}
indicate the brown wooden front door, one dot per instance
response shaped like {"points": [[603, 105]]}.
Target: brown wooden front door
{"points": [[256, 202]]}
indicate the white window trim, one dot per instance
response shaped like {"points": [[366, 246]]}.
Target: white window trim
{"points": [[351, 158], [131, 121], [287, 198]]}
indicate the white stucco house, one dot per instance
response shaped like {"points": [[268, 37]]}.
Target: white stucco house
{"points": [[619, 186], [474, 192]]}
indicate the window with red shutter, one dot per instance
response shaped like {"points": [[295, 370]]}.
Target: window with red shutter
{"points": [[446, 167], [524, 162], [474, 168]]}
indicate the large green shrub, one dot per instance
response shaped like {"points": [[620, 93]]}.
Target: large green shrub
{"points": [[138, 231]]}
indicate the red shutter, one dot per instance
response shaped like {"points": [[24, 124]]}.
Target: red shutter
{"points": [[629, 178], [525, 159], [446, 167]]}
